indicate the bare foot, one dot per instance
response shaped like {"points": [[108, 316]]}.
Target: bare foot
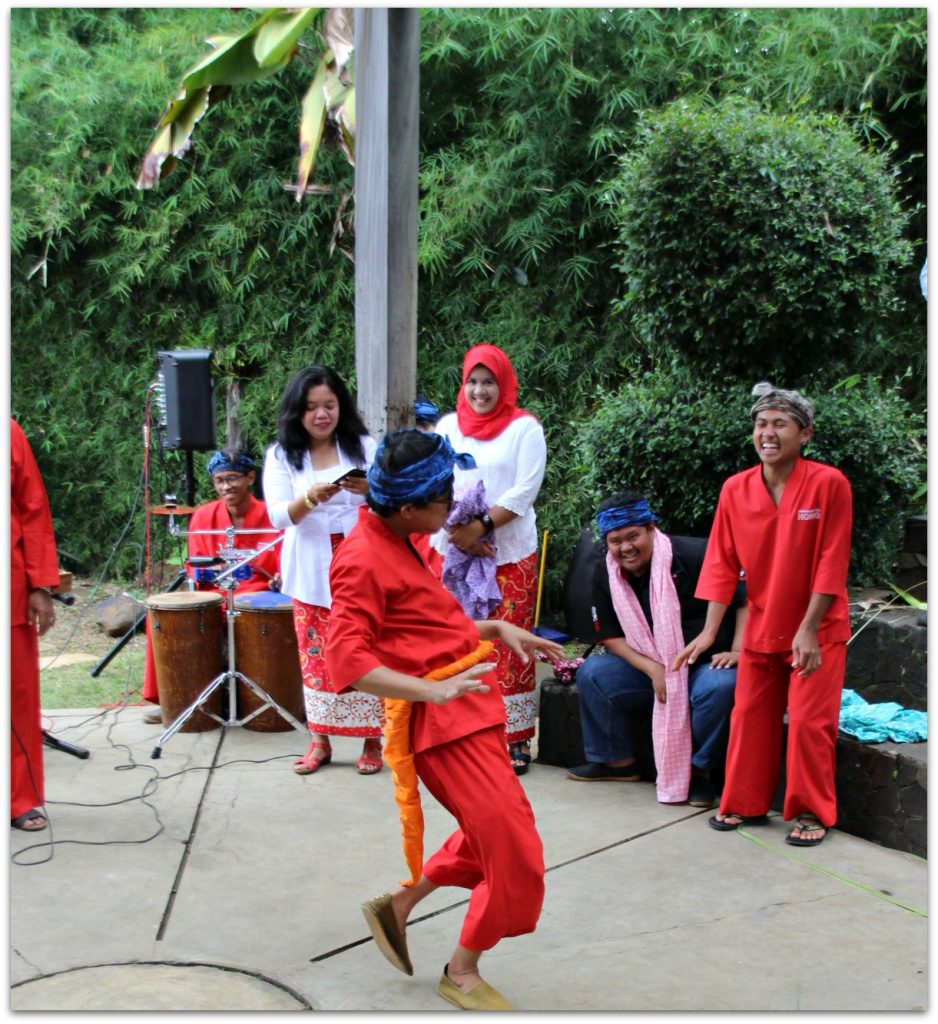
{"points": [[401, 907]]}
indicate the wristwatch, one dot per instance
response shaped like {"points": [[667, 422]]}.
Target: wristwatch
{"points": [[486, 520]]}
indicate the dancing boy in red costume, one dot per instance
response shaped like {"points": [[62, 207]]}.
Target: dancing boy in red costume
{"points": [[787, 523], [396, 632]]}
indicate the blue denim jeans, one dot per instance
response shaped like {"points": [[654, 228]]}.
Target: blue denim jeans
{"points": [[611, 691]]}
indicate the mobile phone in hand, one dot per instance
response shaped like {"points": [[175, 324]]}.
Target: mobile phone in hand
{"points": [[351, 474]]}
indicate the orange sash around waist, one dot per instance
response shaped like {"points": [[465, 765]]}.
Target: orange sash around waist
{"points": [[399, 757]]}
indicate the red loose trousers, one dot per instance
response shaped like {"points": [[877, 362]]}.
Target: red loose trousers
{"points": [[27, 774], [765, 685], [496, 851]]}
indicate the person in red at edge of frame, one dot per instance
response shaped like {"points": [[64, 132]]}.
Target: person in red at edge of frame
{"points": [[34, 571], [232, 473], [787, 523], [396, 632]]}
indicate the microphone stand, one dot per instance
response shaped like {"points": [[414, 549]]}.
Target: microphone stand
{"points": [[67, 748], [47, 738]]}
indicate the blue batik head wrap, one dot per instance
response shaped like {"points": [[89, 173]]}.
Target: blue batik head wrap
{"points": [[637, 513], [419, 481], [424, 410], [232, 462]]}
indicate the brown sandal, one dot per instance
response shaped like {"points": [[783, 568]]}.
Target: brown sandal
{"points": [[308, 764]]}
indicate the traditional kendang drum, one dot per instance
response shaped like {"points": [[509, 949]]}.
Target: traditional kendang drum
{"points": [[266, 651], [186, 631]]}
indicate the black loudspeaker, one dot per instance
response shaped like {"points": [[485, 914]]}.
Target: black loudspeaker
{"points": [[186, 396]]}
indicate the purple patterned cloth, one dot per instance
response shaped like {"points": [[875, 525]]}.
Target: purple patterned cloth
{"points": [[471, 578]]}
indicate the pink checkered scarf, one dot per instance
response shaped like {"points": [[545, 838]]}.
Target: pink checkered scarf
{"points": [[670, 723]]}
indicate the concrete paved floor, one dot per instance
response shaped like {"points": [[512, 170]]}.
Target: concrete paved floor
{"points": [[216, 879]]}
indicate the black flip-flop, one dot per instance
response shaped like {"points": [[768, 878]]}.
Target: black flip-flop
{"points": [[804, 824], [519, 755], [33, 815], [722, 826]]}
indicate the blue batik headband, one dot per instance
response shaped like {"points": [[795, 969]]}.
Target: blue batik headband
{"points": [[419, 481], [424, 410], [233, 462], [637, 513]]}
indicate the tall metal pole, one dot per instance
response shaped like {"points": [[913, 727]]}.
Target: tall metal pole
{"points": [[387, 80]]}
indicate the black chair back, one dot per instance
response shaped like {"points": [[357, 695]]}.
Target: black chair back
{"points": [[578, 587]]}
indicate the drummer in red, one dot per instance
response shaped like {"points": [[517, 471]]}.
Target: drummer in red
{"points": [[232, 473], [786, 522]]}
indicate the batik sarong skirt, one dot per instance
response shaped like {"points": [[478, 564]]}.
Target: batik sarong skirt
{"points": [[331, 714], [518, 584]]}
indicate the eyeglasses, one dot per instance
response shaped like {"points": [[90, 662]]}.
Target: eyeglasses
{"points": [[228, 481], [444, 499]]}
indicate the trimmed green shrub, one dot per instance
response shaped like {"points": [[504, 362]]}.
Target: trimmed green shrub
{"points": [[758, 244], [877, 440], [677, 439]]}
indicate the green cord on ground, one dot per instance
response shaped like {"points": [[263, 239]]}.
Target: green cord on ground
{"points": [[833, 874]]}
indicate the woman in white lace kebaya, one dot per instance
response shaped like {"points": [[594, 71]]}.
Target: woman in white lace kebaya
{"points": [[320, 435]]}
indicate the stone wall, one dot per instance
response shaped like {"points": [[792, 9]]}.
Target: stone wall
{"points": [[882, 793], [887, 659]]}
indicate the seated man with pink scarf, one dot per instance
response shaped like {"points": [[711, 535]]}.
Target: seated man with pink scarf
{"points": [[644, 608]]}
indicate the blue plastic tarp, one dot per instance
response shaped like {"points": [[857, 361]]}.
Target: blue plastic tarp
{"points": [[876, 723]]}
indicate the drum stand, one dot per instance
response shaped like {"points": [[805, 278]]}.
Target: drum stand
{"points": [[231, 675]]}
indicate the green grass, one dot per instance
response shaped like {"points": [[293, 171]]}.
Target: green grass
{"points": [[72, 686]]}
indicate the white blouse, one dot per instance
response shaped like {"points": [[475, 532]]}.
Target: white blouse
{"points": [[306, 551], [511, 466]]}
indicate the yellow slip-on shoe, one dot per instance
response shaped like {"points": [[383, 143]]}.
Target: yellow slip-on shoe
{"points": [[389, 938], [482, 997]]}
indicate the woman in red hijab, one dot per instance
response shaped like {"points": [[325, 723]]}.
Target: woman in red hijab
{"points": [[510, 453]]}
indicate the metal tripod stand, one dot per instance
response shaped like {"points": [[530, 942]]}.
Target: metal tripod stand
{"points": [[231, 675]]}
